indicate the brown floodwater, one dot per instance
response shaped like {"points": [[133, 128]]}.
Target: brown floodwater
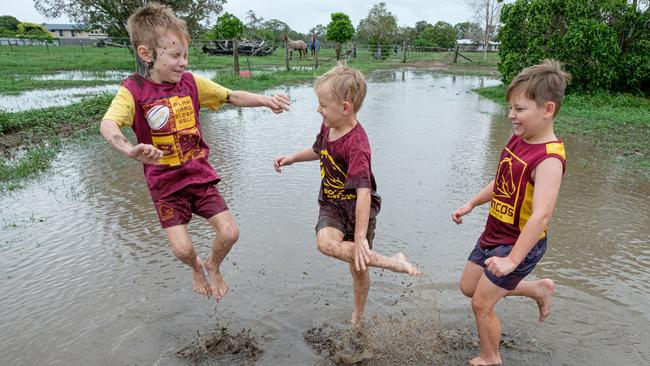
{"points": [[87, 278]]}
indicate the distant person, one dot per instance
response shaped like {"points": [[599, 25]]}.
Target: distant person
{"points": [[522, 198], [348, 197], [162, 107]]}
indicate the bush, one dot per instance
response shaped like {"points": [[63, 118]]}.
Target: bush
{"points": [[604, 44]]}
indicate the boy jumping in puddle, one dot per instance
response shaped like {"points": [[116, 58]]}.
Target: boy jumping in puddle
{"points": [[348, 199], [162, 107], [522, 198]]}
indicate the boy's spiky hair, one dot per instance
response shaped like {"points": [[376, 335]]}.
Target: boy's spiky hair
{"points": [[345, 84], [542, 83], [151, 22]]}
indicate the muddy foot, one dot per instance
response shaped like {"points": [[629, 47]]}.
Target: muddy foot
{"points": [[544, 301], [479, 361], [199, 281], [218, 286], [403, 266]]}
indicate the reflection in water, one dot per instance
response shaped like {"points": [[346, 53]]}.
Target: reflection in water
{"points": [[84, 264], [44, 98]]}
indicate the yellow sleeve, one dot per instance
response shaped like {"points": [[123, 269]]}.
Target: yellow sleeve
{"points": [[211, 94], [122, 109]]}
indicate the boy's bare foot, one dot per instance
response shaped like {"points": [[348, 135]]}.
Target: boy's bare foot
{"points": [[546, 288], [480, 361], [357, 319], [218, 286], [199, 281], [403, 266]]}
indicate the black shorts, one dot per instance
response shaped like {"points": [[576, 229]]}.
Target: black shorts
{"points": [[329, 216], [508, 282]]}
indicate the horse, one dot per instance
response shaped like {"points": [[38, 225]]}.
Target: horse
{"points": [[298, 45]]}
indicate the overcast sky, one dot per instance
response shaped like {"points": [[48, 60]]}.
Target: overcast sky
{"points": [[303, 17]]}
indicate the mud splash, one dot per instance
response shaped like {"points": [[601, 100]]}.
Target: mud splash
{"points": [[222, 345], [403, 341]]}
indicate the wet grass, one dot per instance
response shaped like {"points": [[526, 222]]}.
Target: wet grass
{"points": [[30, 140], [617, 124]]}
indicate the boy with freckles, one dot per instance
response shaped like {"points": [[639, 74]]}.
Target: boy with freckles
{"points": [[162, 107], [348, 198]]}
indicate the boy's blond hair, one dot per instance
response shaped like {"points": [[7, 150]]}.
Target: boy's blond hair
{"points": [[542, 83], [345, 84], [151, 22]]}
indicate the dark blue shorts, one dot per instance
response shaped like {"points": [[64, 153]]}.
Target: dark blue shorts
{"points": [[510, 281]]}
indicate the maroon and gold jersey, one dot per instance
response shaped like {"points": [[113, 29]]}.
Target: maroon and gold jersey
{"points": [[512, 197], [345, 166], [167, 117]]}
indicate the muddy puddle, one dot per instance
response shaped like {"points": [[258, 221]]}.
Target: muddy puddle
{"points": [[87, 276]]}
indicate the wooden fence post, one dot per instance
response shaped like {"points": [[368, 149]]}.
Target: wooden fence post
{"points": [[286, 53], [404, 52]]}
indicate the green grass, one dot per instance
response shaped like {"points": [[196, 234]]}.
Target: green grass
{"points": [[20, 64], [616, 124]]}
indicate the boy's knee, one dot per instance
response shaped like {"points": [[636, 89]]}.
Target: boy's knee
{"points": [[182, 250], [230, 235], [467, 290], [325, 245], [479, 306]]}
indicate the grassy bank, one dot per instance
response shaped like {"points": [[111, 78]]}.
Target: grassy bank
{"points": [[616, 124]]}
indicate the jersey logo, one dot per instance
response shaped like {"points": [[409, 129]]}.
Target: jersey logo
{"points": [[157, 117]]}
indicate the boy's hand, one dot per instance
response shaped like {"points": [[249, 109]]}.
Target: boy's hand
{"points": [[145, 153], [282, 161], [460, 212], [500, 266], [278, 103], [362, 254]]}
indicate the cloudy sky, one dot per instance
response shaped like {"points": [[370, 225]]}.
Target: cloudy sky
{"points": [[304, 16]]}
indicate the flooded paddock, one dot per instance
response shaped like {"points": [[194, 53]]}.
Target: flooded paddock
{"points": [[87, 277]]}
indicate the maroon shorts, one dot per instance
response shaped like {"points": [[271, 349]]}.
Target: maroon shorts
{"points": [[201, 199], [329, 216]]}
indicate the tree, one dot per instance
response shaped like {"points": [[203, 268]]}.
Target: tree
{"points": [[487, 13], [230, 27], [441, 35], [339, 30], [8, 23], [421, 26], [112, 14], [318, 31], [604, 44], [468, 30], [32, 29], [380, 26]]}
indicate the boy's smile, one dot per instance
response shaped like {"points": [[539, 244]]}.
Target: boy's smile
{"points": [[170, 60], [529, 120], [330, 109]]}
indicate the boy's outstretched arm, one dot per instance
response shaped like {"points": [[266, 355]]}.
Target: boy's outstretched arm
{"points": [[548, 177], [304, 155], [143, 153], [484, 196], [278, 103], [362, 217]]}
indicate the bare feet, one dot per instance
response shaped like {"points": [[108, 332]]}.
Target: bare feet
{"points": [[480, 361], [546, 288], [218, 286], [357, 319], [199, 281], [401, 265]]}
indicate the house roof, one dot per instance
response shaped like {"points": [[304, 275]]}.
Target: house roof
{"points": [[56, 27]]}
